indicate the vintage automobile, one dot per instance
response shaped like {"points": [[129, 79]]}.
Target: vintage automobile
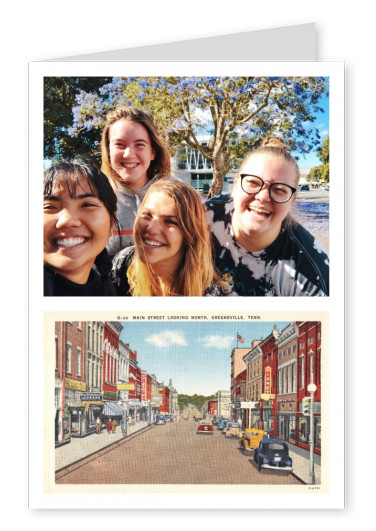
{"points": [[234, 430], [205, 426], [250, 439], [222, 422], [161, 419], [304, 187], [273, 454]]}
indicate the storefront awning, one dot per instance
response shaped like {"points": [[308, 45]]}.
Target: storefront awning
{"points": [[111, 409]]}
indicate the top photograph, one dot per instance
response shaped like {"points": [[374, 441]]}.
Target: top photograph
{"points": [[186, 186]]}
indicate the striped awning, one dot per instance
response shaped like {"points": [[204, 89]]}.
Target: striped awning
{"points": [[112, 409]]}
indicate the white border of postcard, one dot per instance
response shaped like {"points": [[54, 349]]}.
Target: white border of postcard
{"points": [[333, 305]]}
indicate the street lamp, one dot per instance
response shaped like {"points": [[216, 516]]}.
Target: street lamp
{"points": [[311, 388]]}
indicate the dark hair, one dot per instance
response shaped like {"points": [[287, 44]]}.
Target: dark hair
{"points": [[69, 172]]}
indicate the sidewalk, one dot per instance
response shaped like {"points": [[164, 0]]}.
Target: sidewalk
{"points": [[79, 448], [300, 464]]}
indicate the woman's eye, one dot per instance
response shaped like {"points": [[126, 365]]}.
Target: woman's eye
{"points": [[49, 207]]}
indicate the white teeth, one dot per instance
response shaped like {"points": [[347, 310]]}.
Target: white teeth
{"points": [[153, 244], [260, 211], [130, 165], [69, 242]]}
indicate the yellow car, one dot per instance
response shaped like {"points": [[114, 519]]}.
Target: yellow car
{"points": [[251, 439]]}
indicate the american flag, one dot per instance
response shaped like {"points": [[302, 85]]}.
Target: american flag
{"points": [[239, 338]]}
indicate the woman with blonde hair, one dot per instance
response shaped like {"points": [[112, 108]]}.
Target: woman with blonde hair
{"points": [[259, 248], [172, 253], [134, 156]]}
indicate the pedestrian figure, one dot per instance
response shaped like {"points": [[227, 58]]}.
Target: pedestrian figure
{"points": [[109, 427], [98, 425], [113, 426], [130, 420]]}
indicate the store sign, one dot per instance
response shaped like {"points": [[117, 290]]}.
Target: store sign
{"points": [[268, 380], [143, 386], [96, 398], [129, 386]]}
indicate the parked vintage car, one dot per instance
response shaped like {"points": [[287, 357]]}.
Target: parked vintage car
{"points": [[234, 430], [222, 422], [250, 439], [273, 454], [304, 188], [161, 419], [205, 426], [216, 419]]}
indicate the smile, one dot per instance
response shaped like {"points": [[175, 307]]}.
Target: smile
{"points": [[152, 243], [259, 211], [130, 164], [69, 242]]}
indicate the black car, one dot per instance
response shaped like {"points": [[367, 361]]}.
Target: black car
{"points": [[273, 454], [304, 187]]}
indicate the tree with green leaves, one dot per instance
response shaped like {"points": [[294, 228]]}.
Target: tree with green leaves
{"points": [[236, 112], [321, 173]]}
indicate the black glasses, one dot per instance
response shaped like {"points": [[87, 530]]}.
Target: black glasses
{"points": [[279, 192]]}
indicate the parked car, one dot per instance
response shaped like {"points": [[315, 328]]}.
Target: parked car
{"points": [[273, 454], [304, 187], [205, 426], [216, 419], [222, 422], [226, 425], [168, 418], [161, 419], [251, 439], [234, 430]]}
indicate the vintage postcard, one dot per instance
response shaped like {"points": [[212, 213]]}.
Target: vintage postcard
{"points": [[150, 388]]}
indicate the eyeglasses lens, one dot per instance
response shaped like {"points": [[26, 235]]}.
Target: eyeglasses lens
{"points": [[279, 192]]}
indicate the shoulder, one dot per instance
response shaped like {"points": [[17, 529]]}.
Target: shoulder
{"points": [[123, 258], [220, 208], [120, 265], [311, 256], [48, 282]]}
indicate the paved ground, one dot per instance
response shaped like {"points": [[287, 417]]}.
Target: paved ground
{"points": [[175, 454]]}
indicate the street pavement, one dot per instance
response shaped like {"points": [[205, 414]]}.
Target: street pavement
{"points": [[80, 448]]}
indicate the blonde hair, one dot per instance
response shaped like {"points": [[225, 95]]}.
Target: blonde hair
{"points": [[159, 168], [196, 272], [275, 147]]}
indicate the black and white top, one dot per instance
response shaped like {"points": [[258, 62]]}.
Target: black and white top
{"points": [[295, 264], [122, 261]]}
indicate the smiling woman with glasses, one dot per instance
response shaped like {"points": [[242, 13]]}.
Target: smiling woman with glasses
{"points": [[259, 248]]}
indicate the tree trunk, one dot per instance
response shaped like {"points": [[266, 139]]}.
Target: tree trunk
{"points": [[220, 167]]}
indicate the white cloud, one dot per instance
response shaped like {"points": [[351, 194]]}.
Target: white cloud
{"points": [[166, 339], [216, 341]]}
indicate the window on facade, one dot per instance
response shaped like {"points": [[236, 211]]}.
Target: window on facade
{"points": [[310, 340], [302, 344], [56, 352], [280, 381], [69, 358], [79, 325], [294, 377], [78, 361], [302, 373]]}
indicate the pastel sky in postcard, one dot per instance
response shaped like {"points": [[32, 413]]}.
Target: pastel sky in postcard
{"points": [[194, 355]]}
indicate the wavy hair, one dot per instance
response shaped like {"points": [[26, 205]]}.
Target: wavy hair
{"points": [[159, 168], [196, 272]]}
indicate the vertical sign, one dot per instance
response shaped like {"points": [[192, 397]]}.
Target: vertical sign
{"points": [[268, 380], [143, 386]]}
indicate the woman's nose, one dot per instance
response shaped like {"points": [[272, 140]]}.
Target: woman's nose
{"points": [[263, 193], [67, 217], [153, 226], [127, 152]]}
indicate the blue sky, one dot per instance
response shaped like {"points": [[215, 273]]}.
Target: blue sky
{"points": [[194, 355], [311, 160]]}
